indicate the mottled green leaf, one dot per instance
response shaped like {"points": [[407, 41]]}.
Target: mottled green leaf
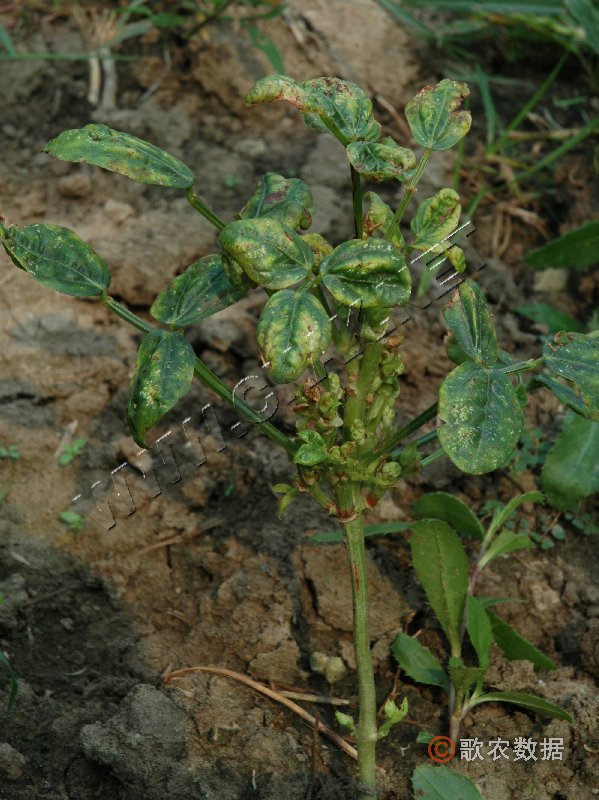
{"points": [[346, 106], [288, 200], [479, 630], [121, 152], [441, 505], [506, 542], [575, 357], [280, 87], [271, 254], [200, 291], [418, 662], [440, 783], [57, 258], [483, 418], [235, 274], [571, 469], [467, 315], [377, 220], [327, 104], [367, 273], [433, 117], [436, 217], [312, 451], [441, 564], [163, 374], [523, 700], [381, 161], [319, 246], [514, 646], [566, 396], [293, 330]]}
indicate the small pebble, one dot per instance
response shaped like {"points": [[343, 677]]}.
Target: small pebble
{"points": [[12, 762]]}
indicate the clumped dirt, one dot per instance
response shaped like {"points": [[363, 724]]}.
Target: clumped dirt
{"points": [[190, 566]]}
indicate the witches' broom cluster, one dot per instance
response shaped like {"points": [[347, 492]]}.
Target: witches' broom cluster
{"points": [[348, 450]]}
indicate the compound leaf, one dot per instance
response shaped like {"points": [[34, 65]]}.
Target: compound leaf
{"points": [[442, 567], [467, 315], [571, 468], [121, 152], [483, 418], [200, 291], [271, 254], [380, 161], [163, 374], [367, 273], [575, 357], [57, 258], [433, 117], [288, 200], [449, 508], [293, 330], [418, 662]]}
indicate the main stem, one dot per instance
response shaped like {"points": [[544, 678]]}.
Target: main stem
{"points": [[366, 728]]}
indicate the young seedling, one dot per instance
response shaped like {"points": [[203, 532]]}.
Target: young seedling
{"points": [[70, 451], [348, 450], [442, 566]]}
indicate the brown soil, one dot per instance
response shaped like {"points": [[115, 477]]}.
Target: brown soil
{"points": [[198, 569]]}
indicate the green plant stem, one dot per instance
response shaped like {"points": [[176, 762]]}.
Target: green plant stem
{"points": [[366, 728], [204, 209], [407, 196], [356, 184], [211, 380]]}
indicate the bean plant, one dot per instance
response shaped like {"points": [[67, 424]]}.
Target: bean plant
{"points": [[339, 298]]}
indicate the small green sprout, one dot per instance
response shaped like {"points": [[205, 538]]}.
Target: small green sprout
{"points": [[70, 451]]}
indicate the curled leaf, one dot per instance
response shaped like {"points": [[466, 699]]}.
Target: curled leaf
{"points": [[433, 117], [56, 257], [288, 200], [121, 152], [327, 104], [380, 161], [272, 254], [367, 273], [200, 291], [293, 330], [163, 374], [436, 217]]}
